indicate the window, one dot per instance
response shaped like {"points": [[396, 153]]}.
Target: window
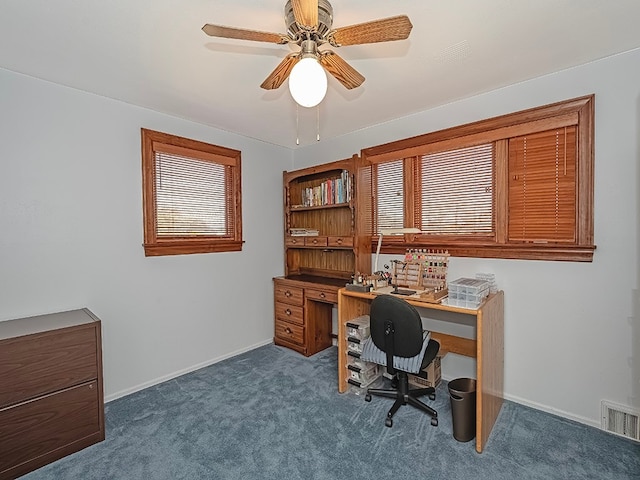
{"points": [[191, 196], [516, 186]]}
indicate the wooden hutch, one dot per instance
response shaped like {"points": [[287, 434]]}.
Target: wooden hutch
{"points": [[323, 249]]}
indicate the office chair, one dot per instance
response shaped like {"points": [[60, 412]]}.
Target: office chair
{"points": [[397, 341]]}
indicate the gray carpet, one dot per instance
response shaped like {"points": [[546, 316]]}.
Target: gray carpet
{"points": [[273, 414]]}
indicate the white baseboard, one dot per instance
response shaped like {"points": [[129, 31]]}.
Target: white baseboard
{"points": [[554, 411], [545, 408], [164, 378]]}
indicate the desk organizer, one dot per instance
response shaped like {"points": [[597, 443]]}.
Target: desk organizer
{"points": [[468, 292], [422, 270]]}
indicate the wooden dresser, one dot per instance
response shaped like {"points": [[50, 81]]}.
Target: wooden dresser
{"points": [[51, 397]]}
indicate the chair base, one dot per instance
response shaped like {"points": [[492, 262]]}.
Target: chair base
{"points": [[404, 396]]}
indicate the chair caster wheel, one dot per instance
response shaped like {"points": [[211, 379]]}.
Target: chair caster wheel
{"points": [[388, 422], [367, 397], [434, 421], [432, 396]]}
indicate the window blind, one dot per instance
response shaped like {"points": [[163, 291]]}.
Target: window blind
{"points": [[389, 195], [191, 197], [542, 187], [456, 194]]}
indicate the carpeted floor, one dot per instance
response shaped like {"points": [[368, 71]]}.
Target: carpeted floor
{"points": [[274, 414]]}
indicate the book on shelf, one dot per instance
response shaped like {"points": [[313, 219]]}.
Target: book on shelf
{"points": [[330, 192]]}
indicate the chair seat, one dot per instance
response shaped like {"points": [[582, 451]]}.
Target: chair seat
{"points": [[371, 353]]}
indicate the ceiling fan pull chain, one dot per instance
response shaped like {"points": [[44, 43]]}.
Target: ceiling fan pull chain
{"points": [[297, 123], [318, 123]]}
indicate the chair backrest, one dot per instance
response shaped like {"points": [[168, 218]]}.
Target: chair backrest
{"points": [[387, 310]]}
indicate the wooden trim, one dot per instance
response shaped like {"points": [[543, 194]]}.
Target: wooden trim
{"points": [[153, 141], [183, 248], [501, 193], [566, 111], [580, 253], [579, 111], [585, 174], [229, 160]]}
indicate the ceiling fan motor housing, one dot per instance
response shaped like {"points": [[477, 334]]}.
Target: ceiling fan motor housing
{"points": [[325, 20]]}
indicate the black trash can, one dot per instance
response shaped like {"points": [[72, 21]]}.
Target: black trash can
{"points": [[463, 408]]}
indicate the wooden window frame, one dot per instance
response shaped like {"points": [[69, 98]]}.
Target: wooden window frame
{"points": [[155, 245], [578, 112]]}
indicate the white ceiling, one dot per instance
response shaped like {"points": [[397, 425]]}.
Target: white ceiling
{"points": [[152, 53]]}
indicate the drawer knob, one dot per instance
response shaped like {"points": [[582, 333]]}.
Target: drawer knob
{"points": [[288, 331], [339, 241], [315, 241], [287, 311], [322, 295], [287, 293]]}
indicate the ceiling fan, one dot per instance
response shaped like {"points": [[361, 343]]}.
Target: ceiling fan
{"points": [[309, 25]]}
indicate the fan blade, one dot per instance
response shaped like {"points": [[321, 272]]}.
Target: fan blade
{"points": [[306, 13], [242, 34], [341, 70], [280, 74], [384, 30]]}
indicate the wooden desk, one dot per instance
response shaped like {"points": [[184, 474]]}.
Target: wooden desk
{"points": [[487, 348]]}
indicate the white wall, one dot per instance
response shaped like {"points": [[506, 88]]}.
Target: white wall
{"points": [[571, 329], [71, 235]]}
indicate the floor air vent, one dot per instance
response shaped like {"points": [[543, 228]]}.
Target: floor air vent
{"points": [[620, 420]]}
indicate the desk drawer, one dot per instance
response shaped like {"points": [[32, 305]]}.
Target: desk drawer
{"points": [[289, 313], [328, 296], [287, 294], [315, 241], [294, 241], [340, 242], [289, 332]]}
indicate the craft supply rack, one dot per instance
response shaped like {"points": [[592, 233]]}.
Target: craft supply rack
{"points": [[422, 269]]}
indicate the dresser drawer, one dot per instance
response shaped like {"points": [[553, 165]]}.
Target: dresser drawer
{"points": [[289, 313], [315, 241], [38, 364], [340, 241], [287, 294], [289, 332], [328, 296], [39, 431]]}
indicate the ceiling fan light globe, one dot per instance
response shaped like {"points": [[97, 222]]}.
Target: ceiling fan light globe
{"points": [[308, 82]]}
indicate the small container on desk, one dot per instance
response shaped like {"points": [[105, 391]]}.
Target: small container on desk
{"points": [[467, 292]]}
